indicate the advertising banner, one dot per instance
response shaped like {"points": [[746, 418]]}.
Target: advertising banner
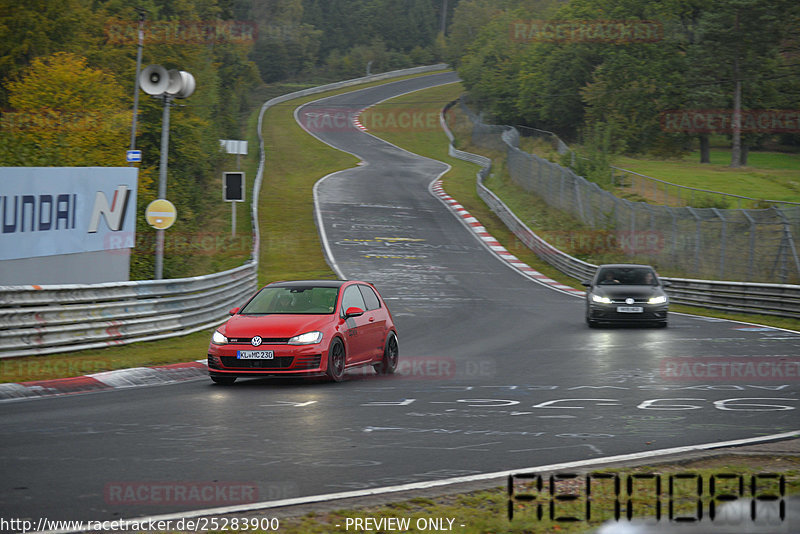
{"points": [[47, 211]]}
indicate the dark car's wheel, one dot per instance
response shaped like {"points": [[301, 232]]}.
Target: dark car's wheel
{"points": [[223, 380], [388, 364], [335, 370]]}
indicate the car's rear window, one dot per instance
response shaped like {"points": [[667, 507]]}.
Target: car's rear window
{"points": [[294, 300]]}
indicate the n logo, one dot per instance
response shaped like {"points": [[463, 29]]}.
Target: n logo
{"points": [[113, 215]]}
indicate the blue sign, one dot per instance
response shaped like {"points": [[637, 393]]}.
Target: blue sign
{"points": [[134, 156]]}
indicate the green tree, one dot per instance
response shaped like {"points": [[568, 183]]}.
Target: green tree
{"points": [[65, 113], [36, 28], [744, 37]]}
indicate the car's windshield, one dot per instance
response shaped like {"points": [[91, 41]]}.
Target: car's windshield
{"points": [[629, 276], [296, 300]]}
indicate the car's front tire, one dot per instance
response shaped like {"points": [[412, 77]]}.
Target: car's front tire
{"points": [[391, 352], [223, 380], [336, 358]]}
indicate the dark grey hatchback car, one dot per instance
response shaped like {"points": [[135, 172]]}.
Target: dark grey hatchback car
{"points": [[626, 293]]}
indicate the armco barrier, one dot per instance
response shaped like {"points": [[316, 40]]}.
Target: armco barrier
{"points": [[782, 300], [50, 319], [60, 318]]}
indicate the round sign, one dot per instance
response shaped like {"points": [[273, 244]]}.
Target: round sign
{"points": [[160, 214]]}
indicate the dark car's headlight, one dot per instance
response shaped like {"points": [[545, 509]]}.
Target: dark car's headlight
{"points": [[309, 338], [218, 339], [601, 300], [660, 299]]}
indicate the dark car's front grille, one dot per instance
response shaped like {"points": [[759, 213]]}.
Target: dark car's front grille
{"points": [[611, 314], [264, 340], [282, 362]]}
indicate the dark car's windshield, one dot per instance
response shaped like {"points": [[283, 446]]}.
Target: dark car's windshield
{"points": [[302, 300], [629, 276]]}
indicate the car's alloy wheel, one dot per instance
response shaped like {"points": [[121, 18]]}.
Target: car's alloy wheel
{"points": [[335, 370], [388, 365], [223, 380]]}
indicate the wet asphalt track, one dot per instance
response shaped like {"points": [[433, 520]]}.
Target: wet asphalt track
{"points": [[497, 373]]}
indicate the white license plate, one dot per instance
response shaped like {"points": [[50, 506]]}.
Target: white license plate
{"points": [[255, 354], [630, 309]]}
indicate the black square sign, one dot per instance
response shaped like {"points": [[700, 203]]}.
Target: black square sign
{"points": [[233, 187]]}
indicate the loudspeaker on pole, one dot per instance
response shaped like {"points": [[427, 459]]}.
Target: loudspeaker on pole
{"points": [[154, 80]]}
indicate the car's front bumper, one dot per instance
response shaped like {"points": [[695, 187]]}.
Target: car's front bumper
{"points": [[287, 360], [609, 313]]}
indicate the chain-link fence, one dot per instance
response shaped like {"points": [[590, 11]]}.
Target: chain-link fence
{"points": [[722, 244]]}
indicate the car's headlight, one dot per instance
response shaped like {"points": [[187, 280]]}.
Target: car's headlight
{"points": [[309, 338], [661, 299], [218, 339], [598, 298]]}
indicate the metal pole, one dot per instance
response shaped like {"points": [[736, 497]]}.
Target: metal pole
{"points": [[233, 204], [233, 219], [162, 184], [136, 82]]}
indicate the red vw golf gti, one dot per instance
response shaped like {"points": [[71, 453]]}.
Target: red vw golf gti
{"points": [[313, 327]]}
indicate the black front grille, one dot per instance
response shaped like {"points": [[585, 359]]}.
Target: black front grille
{"points": [[282, 362], [264, 340], [308, 362]]}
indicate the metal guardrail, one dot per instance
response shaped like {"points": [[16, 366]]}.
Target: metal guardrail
{"points": [[781, 300], [61, 318], [38, 320]]}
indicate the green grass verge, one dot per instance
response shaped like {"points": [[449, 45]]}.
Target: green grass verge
{"points": [[769, 175]]}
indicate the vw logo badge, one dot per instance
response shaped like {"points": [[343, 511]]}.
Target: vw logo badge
{"points": [[627, 301], [256, 341]]}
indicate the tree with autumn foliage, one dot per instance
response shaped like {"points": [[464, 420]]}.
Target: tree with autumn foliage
{"points": [[64, 113]]}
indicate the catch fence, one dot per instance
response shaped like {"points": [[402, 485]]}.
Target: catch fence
{"points": [[701, 242]]}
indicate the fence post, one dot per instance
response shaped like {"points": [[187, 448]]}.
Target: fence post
{"points": [[722, 244], [696, 239]]}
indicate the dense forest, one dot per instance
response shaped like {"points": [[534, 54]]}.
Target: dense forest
{"points": [[626, 75]]}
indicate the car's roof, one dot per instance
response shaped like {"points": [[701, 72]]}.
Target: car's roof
{"points": [[625, 265], [310, 283]]}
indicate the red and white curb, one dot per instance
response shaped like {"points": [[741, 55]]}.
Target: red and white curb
{"points": [[357, 121], [489, 240], [122, 378], [493, 245]]}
